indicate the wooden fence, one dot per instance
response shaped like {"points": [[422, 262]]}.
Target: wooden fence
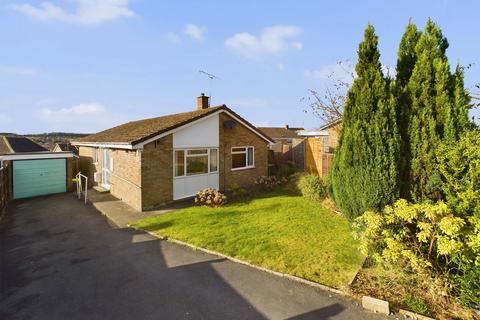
{"points": [[317, 161], [4, 186]]}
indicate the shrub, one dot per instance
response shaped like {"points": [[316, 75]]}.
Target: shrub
{"points": [[268, 183], [416, 304], [312, 187], [240, 193], [285, 171], [426, 238], [210, 197], [459, 168]]}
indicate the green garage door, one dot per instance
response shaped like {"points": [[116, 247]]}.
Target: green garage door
{"points": [[38, 177]]}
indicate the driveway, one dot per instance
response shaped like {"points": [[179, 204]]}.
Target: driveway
{"points": [[61, 259]]}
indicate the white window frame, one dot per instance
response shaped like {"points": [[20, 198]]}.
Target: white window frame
{"points": [[186, 155], [95, 155], [326, 144], [246, 157]]}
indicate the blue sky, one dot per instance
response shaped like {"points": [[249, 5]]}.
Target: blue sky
{"points": [[86, 65]]}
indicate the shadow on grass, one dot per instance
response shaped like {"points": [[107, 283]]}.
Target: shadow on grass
{"points": [[156, 226]]}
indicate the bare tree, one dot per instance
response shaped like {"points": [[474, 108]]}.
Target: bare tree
{"points": [[476, 96], [327, 105]]}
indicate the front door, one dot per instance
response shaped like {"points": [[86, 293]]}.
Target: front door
{"points": [[106, 166]]}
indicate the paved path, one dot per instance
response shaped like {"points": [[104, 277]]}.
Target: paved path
{"points": [[61, 259]]}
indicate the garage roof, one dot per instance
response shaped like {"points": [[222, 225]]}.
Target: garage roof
{"points": [[18, 144]]}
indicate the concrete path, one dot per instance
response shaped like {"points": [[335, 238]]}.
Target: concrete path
{"points": [[61, 259], [121, 214]]}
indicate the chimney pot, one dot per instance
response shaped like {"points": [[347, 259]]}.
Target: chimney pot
{"points": [[203, 102]]}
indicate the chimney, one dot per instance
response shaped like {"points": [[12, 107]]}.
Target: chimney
{"points": [[287, 126], [202, 102]]}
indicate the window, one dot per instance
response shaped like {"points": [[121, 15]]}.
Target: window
{"points": [[179, 163], [326, 144], [192, 162], [242, 157], [213, 160], [95, 155], [197, 162]]}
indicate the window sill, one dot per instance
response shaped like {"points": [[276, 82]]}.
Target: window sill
{"points": [[196, 175], [245, 168]]}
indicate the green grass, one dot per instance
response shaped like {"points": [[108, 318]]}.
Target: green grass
{"points": [[279, 231]]}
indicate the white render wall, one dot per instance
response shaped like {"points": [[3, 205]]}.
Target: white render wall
{"points": [[203, 134], [199, 135]]}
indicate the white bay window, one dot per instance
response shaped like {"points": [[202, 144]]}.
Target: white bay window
{"points": [[190, 162]]}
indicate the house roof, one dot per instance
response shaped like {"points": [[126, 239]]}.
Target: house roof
{"points": [[135, 132], [19, 145], [330, 124], [63, 146], [66, 146], [280, 132]]}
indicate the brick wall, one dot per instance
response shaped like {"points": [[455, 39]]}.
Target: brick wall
{"points": [[157, 173], [87, 165], [125, 178], [240, 136]]}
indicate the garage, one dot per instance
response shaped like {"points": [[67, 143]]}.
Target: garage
{"points": [[33, 174], [33, 178]]}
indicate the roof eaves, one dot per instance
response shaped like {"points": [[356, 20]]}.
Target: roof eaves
{"points": [[177, 125], [7, 143], [331, 123]]}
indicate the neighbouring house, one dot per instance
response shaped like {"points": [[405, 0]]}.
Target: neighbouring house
{"points": [[28, 169], [18, 144], [65, 146], [320, 146], [288, 146], [151, 162]]}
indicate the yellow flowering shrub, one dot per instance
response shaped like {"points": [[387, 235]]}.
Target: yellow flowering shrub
{"points": [[422, 236], [425, 238]]}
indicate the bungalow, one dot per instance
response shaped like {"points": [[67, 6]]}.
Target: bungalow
{"points": [[150, 162]]}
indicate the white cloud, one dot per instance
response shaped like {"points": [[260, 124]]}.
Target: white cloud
{"points": [[19, 71], [271, 40], [80, 109], [334, 72], [86, 12], [173, 37], [248, 103], [195, 32], [264, 123], [85, 117]]}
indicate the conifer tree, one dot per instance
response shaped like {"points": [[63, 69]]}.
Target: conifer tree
{"points": [[407, 57], [364, 173], [462, 102], [438, 109]]}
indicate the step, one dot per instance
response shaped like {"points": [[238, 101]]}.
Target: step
{"points": [[101, 189]]}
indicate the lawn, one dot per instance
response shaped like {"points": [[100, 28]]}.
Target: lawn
{"points": [[280, 231]]}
